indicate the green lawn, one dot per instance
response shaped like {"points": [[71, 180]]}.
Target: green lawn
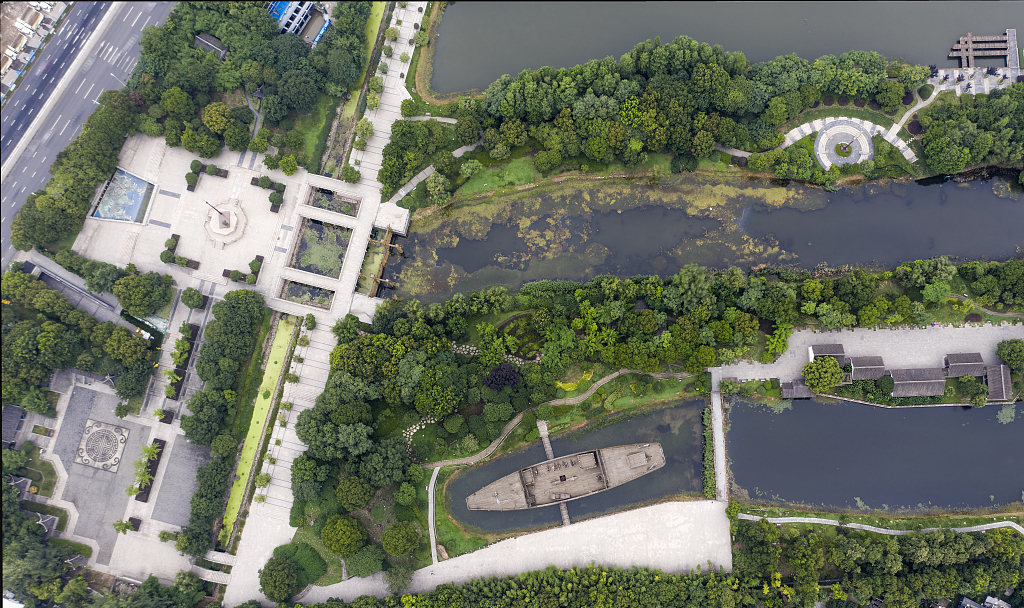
{"points": [[248, 382], [455, 541], [372, 27], [516, 173], [305, 535], [311, 124], [40, 430], [41, 472], [83, 550], [494, 318], [849, 111], [278, 354], [60, 514]]}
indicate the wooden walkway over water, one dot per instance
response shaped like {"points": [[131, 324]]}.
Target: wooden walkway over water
{"points": [[970, 47]]}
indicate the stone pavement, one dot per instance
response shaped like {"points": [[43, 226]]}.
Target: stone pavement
{"points": [[671, 536], [899, 348], [430, 514]]}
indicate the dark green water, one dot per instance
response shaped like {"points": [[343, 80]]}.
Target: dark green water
{"points": [[480, 41], [677, 428], [830, 454]]}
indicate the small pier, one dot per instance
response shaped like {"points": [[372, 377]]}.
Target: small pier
{"points": [[970, 47], [542, 428]]}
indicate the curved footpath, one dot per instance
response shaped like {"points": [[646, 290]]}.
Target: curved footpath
{"points": [[1011, 315], [832, 522], [456, 462], [508, 429]]}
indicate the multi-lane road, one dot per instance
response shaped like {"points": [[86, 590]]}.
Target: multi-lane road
{"points": [[35, 131]]}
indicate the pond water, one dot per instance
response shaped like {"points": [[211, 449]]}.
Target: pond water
{"points": [[480, 41], [625, 229], [677, 428], [833, 454], [893, 226]]}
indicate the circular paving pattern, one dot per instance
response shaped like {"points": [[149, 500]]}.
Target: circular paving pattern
{"points": [[102, 445], [846, 132]]}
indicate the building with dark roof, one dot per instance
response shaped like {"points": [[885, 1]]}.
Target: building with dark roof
{"points": [[206, 42], [796, 390], [13, 418], [999, 386], [828, 350], [959, 365], [922, 382], [867, 368]]}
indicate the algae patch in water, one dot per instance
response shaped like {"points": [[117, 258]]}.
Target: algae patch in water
{"points": [[564, 231]]}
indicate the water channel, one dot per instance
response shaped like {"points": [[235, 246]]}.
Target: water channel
{"points": [[836, 453], [677, 428], [577, 232], [480, 41]]}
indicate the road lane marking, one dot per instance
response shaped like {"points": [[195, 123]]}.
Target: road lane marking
{"points": [[128, 14], [136, 19], [147, 21], [90, 90], [65, 127]]}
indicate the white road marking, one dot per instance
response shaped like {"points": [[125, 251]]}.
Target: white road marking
{"points": [[90, 90], [34, 173], [147, 21], [79, 87], [65, 127], [128, 14], [30, 111], [136, 19], [62, 64]]}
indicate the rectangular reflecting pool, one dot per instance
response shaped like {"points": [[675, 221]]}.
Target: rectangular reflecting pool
{"points": [[846, 454]]}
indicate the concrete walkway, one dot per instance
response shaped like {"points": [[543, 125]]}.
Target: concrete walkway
{"points": [[899, 348], [424, 174], [833, 522], [430, 514], [671, 536], [718, 433]]}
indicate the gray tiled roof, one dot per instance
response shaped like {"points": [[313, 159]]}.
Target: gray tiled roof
{"points": [[964, 358], [827, 349], [999, 386], [796, 390], [926, 374], [931, 388], [867, 368], [959, 370]]}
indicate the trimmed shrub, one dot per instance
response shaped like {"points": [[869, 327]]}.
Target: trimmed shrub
{"points": [[278, 186], [166, 256], [196, 166], [276, 198], [191, 179], [265, 182], [212, 170], [170, 244]]}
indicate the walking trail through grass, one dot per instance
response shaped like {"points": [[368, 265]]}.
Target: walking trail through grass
{"points": [[264, 401]]}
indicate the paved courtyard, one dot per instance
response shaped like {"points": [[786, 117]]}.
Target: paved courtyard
{"points": [[899, 348], [98, 494], [672, 536]]}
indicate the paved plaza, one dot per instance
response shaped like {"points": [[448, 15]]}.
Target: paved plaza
{"points": [[671, 536], [97, 493], [900, 348]]}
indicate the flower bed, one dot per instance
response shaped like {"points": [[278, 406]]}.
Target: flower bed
{"points": [[143, 495]]}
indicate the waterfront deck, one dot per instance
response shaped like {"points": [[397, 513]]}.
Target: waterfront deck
{"points": [[971, 47]]}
